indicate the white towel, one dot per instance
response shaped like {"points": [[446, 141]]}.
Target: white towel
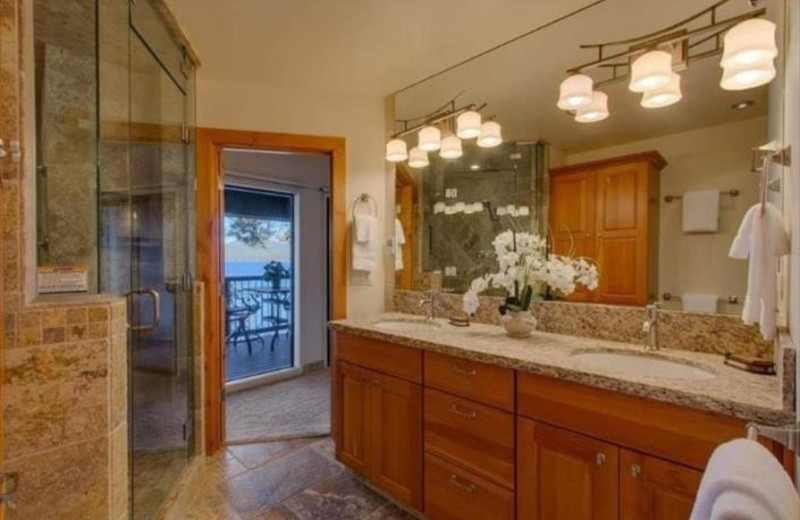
{"points": [[744, 481], [364, 250], [701, 211], [762, 238], [699, 302], [364, 227], [399, 240]]}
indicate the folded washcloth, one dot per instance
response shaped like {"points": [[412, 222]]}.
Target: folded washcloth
{"points": [[699, 302], [744, 481], [701, 211], [762, 238]]}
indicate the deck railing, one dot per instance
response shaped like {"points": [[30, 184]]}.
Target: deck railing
{"points": [[274, 311]]}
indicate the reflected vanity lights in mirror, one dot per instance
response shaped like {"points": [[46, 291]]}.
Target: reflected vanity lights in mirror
{"points": [[677, 95]]}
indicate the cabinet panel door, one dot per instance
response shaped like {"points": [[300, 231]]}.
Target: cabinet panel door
{"points": [[353, 389], [622, 203], [563, 475], [572, 219], [396, 430], [655, 489]]}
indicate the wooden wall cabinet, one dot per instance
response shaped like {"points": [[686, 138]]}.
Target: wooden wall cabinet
{"points": [[608, 211]]}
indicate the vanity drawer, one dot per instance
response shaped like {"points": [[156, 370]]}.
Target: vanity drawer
{"points": [[452, 493], [480, 382], [391, 359], [478, 437]]}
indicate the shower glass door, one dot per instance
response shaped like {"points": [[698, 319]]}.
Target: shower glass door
{"points": [[160, 298]]}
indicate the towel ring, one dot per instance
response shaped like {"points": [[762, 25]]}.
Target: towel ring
{"points": [[366, 199]]}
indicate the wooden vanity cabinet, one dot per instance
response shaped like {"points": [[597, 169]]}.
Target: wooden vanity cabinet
{"points": [[608, 211], [655, 489]]}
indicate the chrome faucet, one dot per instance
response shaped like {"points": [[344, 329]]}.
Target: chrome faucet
{"points": [[651, 327], [430, 301]]}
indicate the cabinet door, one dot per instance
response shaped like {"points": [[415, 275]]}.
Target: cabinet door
{"points": [[353, 390], [622, 202], [564, 475], [572, 219], [654, 489], [396, 430]]}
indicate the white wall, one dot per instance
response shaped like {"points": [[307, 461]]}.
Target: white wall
{"points": [[359, 120], [716, 157]]}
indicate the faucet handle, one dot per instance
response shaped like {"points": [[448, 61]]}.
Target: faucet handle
{"points": [[646, 326]]}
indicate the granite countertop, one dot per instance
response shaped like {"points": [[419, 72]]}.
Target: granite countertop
{"points": [[730, 392]]}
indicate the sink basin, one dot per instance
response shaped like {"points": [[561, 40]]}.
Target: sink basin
{"points": [[625, 363], [406, 325]]}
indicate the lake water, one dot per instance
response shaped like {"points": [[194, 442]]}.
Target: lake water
{"points": [[248, 268]]}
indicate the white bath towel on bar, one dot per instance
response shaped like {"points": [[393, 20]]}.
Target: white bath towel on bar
{"points": [[692, 302], [399, 241], [701, 211], [762, 238], [365, 251], [744, 481]]}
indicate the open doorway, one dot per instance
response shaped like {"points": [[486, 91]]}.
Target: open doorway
{"points": [[275, 249]]}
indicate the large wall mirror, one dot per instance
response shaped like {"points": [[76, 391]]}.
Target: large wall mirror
{"points": [[652, 194]]}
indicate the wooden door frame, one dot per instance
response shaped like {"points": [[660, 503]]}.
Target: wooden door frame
{"points": [[210, 144], [404, 181]]}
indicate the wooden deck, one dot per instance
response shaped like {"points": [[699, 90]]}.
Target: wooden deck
{"points": [[241, 364]]}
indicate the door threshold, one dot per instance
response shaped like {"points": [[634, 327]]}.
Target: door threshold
{"points": [[262, 380]]}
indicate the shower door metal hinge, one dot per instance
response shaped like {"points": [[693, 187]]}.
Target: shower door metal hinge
{"points": [[9, 483]]}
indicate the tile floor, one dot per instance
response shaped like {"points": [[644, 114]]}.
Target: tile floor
{"points": [[291, 480]]}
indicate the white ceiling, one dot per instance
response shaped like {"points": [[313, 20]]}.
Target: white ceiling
{"points": [[362, 47]]}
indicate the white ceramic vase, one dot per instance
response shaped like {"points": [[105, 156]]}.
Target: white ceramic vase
{"points": [[518, 324]]}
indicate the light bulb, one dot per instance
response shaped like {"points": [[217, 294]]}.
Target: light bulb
{"points": [[396, 150], [451, 148], [575, 92], [491, 135], [650, 71], [418, 158], [595, 111], [468, 125], [664, 96], [430, 139]]}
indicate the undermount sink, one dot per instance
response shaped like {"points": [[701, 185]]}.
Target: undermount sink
{"points": [[625, 363], [406, 325]]}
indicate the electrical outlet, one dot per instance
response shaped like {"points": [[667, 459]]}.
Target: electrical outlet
{"points": [[450, 271]]}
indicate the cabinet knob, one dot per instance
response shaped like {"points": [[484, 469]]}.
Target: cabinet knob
{"points": [[600, 459], [636, 470], [466, 486]]}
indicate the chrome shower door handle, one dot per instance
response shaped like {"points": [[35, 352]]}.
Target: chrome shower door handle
{"points": [[156, 316]]}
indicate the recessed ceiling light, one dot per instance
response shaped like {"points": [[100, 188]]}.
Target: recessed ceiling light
{"points": [[743, 104], [475, 167]]}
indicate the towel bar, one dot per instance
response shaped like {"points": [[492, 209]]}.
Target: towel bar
{"points": [[788, 436], [733, 300], [732, 193]]}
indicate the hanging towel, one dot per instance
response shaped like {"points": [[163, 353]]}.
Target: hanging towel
{"points": [[701, 211], [699, 302], [364, 227], [744, 481], [762, 238], [364, 249], [399, 241]]}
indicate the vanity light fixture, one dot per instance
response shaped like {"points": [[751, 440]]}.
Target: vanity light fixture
{"points": [[664, 96], [396, 150], [575, 92], [430, 139], [750, 42], [451, 148], [468, 125], [418, 158], [491, 135], [595, 111], [650, 71], [743, 77], [475, 167]]}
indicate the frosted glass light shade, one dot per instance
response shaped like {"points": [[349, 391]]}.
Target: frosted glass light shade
{"points": [[750, 42], [430, 139], [664, 96], [595, 111], [491, 135], [575, 92], [396, 150], [650, 71], [468, 125], [417, 158], [744, 77], [451, 148]]}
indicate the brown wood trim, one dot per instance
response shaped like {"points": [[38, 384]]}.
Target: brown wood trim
{"points": [[652, 157], [210, 144]]}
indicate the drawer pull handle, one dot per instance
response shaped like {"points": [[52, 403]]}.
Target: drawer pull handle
{"points": [[636, 470], [601, 459], [469, 414], [462, 371], [466, 486]]}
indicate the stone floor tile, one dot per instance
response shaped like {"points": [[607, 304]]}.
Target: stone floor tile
{"points": [[341, 498]]}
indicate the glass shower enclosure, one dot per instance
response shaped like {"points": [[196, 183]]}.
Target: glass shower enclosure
{"points": [[115, 197]]}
